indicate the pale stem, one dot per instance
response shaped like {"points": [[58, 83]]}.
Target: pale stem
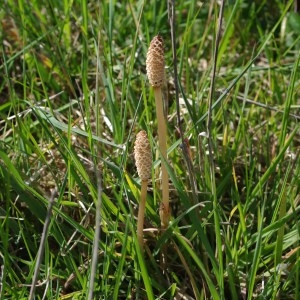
{"points": [[162, 138], [141, 213]]}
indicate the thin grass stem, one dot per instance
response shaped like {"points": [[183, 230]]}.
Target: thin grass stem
{"points": [[42, 246], [220, 276]]}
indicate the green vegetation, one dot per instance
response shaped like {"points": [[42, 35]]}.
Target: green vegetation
{"points": [[74, 94]]}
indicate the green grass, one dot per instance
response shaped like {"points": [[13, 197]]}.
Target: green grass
{"points": [[73, 95]]}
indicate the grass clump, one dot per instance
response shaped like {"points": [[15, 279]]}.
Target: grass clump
{"points": [[73, 91]]}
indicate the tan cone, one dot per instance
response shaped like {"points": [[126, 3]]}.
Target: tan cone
{"points": [[143, 155], [155, 62]]}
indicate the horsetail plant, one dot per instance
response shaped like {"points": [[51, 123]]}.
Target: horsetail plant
{"points": [[143, 162], [155, 65]]}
